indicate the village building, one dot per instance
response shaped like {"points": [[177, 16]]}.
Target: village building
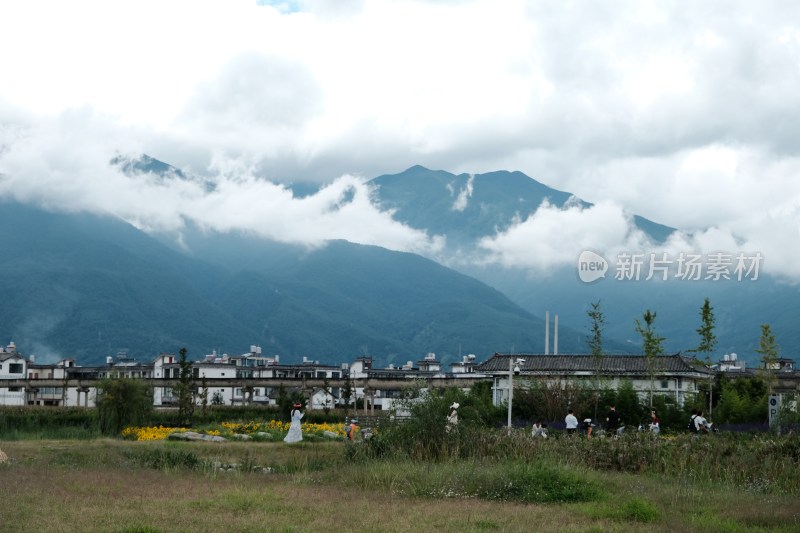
{"points": [[253, 378], [669, 375], [12, 367]]}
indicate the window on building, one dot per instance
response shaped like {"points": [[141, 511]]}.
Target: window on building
{"points": [[15, 368], [664, 384]]}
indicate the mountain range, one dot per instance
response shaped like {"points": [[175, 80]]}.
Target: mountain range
{"points": [[87, 286], [467, 208]]}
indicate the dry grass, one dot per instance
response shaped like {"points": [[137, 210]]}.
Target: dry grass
{"points": [[129, 500], [91, 486]]}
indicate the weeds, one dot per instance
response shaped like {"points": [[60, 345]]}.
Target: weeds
{"points": [[164, 458], [496, 481]]}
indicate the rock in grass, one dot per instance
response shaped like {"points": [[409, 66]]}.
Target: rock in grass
{"points": [[194, 436]]}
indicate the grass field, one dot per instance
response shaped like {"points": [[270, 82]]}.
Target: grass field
{"points": [[125, 486]]}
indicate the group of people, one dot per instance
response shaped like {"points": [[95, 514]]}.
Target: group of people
{"points": [[613, 424], [698, 424]]}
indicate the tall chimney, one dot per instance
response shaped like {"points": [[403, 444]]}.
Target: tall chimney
{"points": [[555, 336], [546, 332]]}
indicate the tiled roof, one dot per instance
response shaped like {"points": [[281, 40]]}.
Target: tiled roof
{"points": [[571, 363]]}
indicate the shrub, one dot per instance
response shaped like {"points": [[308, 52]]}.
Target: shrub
{"points": [[123, 402]]}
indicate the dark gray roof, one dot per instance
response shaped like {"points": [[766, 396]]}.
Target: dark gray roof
{"points": [[400, 373], [583, 363]]}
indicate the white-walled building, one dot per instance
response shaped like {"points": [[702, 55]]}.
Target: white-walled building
{"points": [[672, 375], [226, 377], [12, 366]]}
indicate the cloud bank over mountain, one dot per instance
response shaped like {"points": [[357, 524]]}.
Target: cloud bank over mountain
{"points": [[685, 114]]}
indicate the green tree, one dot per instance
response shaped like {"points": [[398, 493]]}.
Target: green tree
{"points": [[123, 402], [595, 340], [550, 401], [652, 346], [347, 392], [184, 390], [284, 402], [203, 396], [627, 404], [326, 386], [486, 412], [770, 351], [708, 341], [742, 400]]}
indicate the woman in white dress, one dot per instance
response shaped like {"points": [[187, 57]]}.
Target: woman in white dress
{"points": [[295, 434], [452, 418]]}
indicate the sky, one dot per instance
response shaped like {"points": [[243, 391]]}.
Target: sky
{"points": [[687, 113]]}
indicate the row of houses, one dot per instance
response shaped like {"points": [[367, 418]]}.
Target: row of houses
{"points": [[253, 378]]}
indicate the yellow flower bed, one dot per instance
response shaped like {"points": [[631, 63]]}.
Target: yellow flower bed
{"points": [[149, 433], [161, 432]]}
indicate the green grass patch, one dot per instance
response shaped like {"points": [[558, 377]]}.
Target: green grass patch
{"points": [[164, 458], [495, 481], [630, 510]]}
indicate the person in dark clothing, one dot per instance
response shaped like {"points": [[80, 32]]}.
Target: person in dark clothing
{"points": [[612, 420]]}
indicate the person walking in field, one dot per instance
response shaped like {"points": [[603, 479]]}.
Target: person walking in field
{"points": [[538, 430], [588, 426], [452, 418], [295, 433], [655, 423], [613, 421], [352, 429], [701, 425], [571, 422]]}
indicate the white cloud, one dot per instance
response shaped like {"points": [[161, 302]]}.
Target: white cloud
{"points": [[65, 166], [688, 114], [553, 237], [462, 200]]}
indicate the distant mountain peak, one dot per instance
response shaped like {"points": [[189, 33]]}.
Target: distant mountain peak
{"points": [[468, 207], [143, 164]]}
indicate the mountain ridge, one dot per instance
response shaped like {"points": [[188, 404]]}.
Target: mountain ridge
{"points": [[492, 202], [86, 286]]}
